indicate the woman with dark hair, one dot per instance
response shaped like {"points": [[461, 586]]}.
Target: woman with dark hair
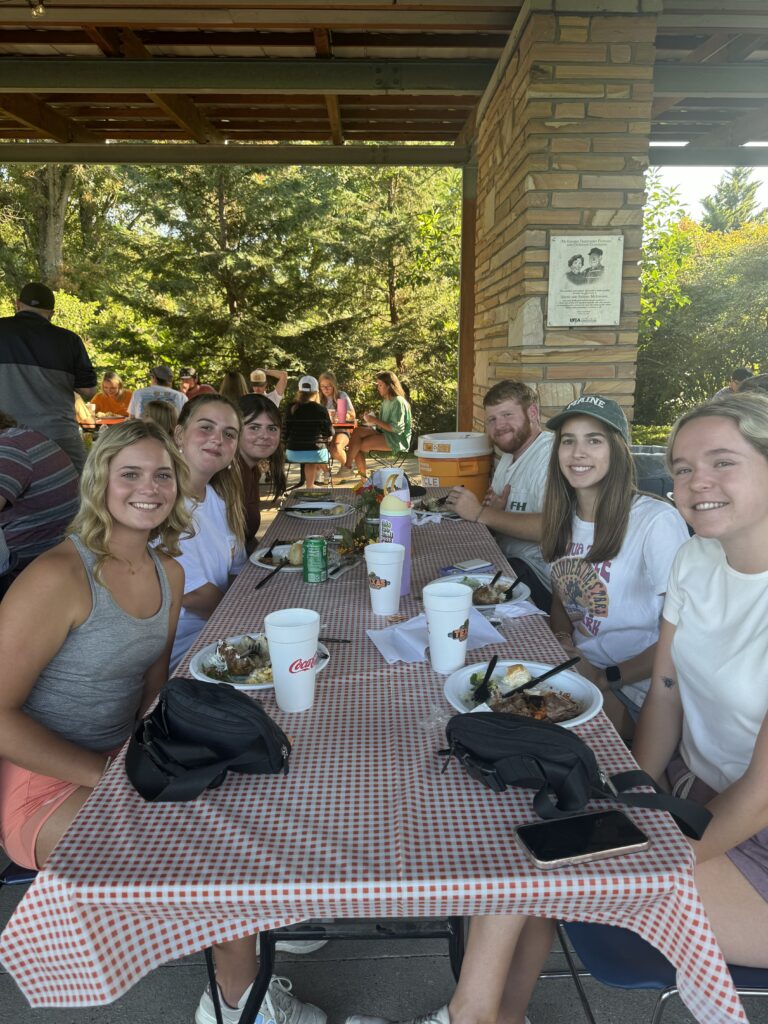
{"points": [[207, 435], [390, 431], [94, 618], [611, 549], [260, 441]]}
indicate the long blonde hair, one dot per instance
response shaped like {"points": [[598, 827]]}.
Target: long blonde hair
{"points": [[747, 409], [93, 523], [618, 490], [228, 483], [233, 386], [330, 376]]}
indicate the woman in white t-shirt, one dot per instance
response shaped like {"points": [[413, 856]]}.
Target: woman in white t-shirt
{"points": [[704, 723], [207, 434], [611, 550]]}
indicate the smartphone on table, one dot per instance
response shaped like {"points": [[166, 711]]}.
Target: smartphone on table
{"points": [[580, 838]]}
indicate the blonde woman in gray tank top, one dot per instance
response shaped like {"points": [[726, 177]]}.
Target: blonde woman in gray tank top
{"points": [[85, 636]]}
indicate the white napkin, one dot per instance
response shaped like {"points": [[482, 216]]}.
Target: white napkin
{"points": [[516, 610], [408, 641]]}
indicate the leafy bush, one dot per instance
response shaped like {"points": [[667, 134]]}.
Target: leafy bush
{"points": [[650, 435]]}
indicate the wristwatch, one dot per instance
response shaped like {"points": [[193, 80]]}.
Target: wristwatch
{"points": [[613, 674]]}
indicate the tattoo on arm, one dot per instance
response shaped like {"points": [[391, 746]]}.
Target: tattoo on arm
{"points": [[668, 683]]}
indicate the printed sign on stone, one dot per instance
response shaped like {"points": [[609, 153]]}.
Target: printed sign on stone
{"points": [[585, 280]]}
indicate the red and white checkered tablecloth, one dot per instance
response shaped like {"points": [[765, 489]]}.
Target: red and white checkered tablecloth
{"points": [[365, 825]]}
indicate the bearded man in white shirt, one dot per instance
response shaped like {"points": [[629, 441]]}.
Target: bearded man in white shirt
{"points": [[512, 506]]}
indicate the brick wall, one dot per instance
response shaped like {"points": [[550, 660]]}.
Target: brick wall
{"points": [[562, 144]]}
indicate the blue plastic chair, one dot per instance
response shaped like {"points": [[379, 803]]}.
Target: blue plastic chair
{"points": [[621, 959]]}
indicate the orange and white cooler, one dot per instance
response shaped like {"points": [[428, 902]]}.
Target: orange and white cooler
{"points": [[450, 460]]}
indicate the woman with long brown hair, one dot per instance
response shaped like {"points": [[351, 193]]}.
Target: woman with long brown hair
{"points": [[260, 442], [611, 550], [390, 431], [207, 435]]}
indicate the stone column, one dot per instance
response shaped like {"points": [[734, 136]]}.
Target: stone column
{"points": [[562, 144]]}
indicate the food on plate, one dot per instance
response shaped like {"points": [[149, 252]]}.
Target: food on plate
{"points": [[547, 706], [245, 661], [296, 553], [483, 593], [315, 513]]}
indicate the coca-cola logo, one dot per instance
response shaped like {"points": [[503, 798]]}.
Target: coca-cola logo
{"points": [[302, 666]]}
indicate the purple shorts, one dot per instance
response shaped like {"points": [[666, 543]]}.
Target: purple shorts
{"points": [[751, 855]]}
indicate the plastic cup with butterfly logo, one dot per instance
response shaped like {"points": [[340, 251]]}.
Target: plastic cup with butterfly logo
{"points": [[384, 564], [292, 637], [447, 606]]}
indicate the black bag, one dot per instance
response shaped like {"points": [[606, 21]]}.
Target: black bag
{"points": [[503, 750], [198, 732]]}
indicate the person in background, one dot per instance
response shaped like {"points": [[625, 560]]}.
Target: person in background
{"points": [[41, 364], [95, 618], [160, 389], [738, 376], [512, 507], [162, 413], [611, 550], [260, 441], [757, 383], [207, 435], [703, 730], [259, 384], [307, 430], [390, 431], [189, 384], [38, 492], [113, 399], [330, 393], [233, 386]]}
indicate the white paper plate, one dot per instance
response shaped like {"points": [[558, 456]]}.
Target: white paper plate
{"points": [[204, 655], [457, 689], [281, 551], [318, 510], [522, 592]]}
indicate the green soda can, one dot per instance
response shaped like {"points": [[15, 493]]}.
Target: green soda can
{"points": [[315, 560]]}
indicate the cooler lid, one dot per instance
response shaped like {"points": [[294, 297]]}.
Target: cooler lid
{"points": [[454, 445]]}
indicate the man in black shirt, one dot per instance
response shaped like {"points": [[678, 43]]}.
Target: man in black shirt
{"points": [[41, 366]]}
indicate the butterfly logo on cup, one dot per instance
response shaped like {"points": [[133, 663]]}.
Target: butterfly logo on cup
{"points": [[376, 582], [461, 633]]}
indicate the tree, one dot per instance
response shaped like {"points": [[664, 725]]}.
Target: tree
{"points": [[734, 203]]}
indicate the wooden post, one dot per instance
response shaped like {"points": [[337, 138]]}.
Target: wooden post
{"points": [[464, 409]]}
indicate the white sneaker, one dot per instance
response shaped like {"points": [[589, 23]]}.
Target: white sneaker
{"points": [[278, 1007], [299, 946], [436, 1017]]}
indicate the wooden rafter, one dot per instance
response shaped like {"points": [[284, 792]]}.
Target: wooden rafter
{"points": [[324, 50], [752, 128], [49, 123], [708, 49]]}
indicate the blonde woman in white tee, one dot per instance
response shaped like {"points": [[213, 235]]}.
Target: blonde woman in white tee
{"points": [[703, 726]]}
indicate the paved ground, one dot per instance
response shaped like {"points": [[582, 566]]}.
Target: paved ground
{"points": [[396, 979]]}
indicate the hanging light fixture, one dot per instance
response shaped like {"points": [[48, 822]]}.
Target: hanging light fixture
{"points": [[37, 7]]}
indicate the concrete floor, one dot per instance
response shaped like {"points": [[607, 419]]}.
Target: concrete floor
{"points": [[395, 979]]}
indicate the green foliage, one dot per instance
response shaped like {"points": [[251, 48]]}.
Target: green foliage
{"points": [[650, 435], [666, 253], [734, 203]]}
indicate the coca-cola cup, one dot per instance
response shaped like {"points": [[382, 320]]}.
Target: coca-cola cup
{"points": [[292, 637]]}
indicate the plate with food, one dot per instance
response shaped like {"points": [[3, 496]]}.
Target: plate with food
{"points": [[319, 510], [313, 493], [294, 553], [484, 596], [435, 506], [242, 661], [567, 699]]}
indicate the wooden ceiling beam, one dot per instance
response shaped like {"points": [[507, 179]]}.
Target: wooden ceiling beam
{"points": [[185, 153], [324, 51], [751, 128], [33, 113], [289, 77], [708, 49]]}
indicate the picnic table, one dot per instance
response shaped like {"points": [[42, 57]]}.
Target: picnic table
{"points": [[365, 825]]}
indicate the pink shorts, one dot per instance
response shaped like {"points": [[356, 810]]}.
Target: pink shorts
{"points": [[27, 801]]}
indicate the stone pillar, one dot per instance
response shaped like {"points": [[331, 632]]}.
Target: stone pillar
{"points": [[562, 144]]}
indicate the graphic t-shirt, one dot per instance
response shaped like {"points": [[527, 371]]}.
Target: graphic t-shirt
{"points": [[615, 606], [527, 477], [154, 393]]}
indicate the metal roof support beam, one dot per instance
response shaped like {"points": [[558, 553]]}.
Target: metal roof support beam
{"points": [[714, 156], [749, 81], [255, 155], [289, 77]]}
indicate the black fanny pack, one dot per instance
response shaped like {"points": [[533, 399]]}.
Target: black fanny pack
{"points": [[503, 750], [198, 732]]}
